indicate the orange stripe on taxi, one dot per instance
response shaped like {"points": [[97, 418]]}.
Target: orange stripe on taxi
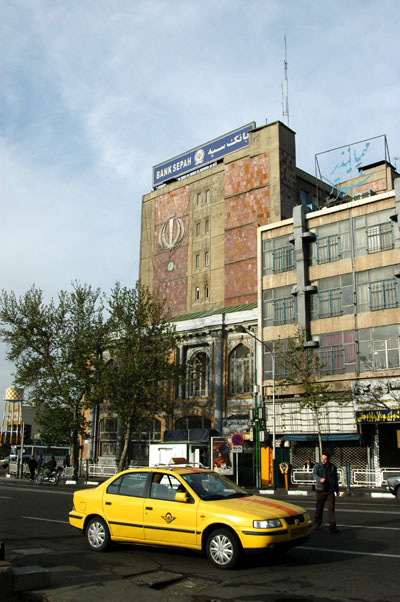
{"points": [[273, 504]]}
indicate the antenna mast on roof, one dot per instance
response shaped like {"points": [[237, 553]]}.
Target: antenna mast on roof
{"points": [[285, 91]]}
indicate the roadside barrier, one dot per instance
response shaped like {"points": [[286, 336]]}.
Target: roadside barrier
{"points": [[360, 477]]}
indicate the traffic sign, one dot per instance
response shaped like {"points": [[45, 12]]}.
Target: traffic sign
{"points": [[237, 439]]}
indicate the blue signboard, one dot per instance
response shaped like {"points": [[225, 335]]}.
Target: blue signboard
{"points": [[378, 416], [201, 155]]}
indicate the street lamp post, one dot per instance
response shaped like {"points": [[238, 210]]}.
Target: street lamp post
{"points": [[257, 430]]}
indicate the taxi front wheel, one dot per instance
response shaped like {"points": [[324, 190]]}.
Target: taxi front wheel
{"points": [[223, 548], [97, 534]]}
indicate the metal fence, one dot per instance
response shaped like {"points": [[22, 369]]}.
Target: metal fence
{"points": [[359, 477]]}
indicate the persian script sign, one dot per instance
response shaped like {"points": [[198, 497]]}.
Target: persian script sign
{"points": [[378, 416]]}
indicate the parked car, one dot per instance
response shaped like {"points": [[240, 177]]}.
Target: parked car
{"points": [[394, 485], [189, 508]]}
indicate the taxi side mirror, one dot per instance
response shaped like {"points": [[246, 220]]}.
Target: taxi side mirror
{"points": [[181, 496]]}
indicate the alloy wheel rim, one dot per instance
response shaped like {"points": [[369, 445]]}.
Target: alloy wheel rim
{"points": [[96, 535], [221, 549]]}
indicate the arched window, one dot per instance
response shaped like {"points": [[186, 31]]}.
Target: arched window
{"points": [[198, 375], [241, 370], [192, 422]]}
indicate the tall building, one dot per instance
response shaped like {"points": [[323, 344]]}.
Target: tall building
{"points": [[335, 275], [199, 224]]}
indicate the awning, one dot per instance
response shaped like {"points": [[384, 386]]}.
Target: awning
{"points": [[335, 437]]}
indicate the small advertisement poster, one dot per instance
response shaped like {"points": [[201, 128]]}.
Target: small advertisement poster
{"points": [[222, 455]]}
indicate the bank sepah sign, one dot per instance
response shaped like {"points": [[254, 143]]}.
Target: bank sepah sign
{"points": [[201, 155]]}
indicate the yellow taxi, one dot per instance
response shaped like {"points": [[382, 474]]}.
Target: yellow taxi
{"points": [[186, 507]]}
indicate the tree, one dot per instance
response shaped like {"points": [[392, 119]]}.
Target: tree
{"points": [[58, 351], [301, 367], [141, 359]]}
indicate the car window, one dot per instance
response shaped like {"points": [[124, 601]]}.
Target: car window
{"points": [[165, 486], [213, 486], [132, 484]]}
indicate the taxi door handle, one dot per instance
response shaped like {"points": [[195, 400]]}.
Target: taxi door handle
{"points": [[149, 508], [108, 503]]}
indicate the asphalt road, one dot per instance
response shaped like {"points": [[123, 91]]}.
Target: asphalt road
{"points": [[361, 563]]}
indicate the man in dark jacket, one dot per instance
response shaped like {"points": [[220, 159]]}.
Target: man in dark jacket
{"points": [[326, 486]]}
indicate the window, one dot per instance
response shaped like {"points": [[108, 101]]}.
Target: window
{"points": [[165, 486], [208, 196], [132, 484], [206, 291], [379, 238], [241, 370], [332, 359], [150, 430], [283, 259], [327, 304], [197, 293], [108, 428], [197, 261], [198, 375], [278, 255], [380, 348], [198, 229], [198, 200], [383, 294], [206, 258], [328, 249], [207, 226], [192, 422], [279, 306], [284, 311]]}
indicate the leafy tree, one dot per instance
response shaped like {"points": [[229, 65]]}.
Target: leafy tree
{"points": [[301, 367], [57, 349], [141, 364]]}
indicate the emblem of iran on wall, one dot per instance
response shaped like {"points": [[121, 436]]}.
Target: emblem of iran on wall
{"points": [[171, 233]]}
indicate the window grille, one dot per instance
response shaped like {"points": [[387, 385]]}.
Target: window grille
{"points": [[330, 303], [383, 294], [379, 238], [332, 359], [283, 259], [284, 311], [328, 249]]}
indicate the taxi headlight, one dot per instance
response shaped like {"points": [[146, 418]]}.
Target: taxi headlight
{"points": [[267, 524], [307, 516]]}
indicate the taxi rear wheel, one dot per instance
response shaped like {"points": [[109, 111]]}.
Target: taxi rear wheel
{"points": [[223, 548], [97, 534]]}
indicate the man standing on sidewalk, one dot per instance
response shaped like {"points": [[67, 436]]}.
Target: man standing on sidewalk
{"points": [[326, 486]]}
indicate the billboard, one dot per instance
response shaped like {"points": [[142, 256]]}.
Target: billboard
{"points": [[222, 455], [203, 155]]}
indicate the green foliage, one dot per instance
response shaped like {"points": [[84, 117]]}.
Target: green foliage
{"points": [[141, 364], [57, 349]]}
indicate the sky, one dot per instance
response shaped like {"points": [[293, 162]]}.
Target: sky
{"points": [[95, 92]]}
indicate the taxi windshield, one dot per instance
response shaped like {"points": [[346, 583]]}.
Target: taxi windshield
{"points": [[213, 486]]}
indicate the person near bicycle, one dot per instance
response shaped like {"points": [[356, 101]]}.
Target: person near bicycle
{"points": [[50, 466], [32, 467]]}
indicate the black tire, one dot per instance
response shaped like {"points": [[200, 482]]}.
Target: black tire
{"points": [[398, 493], [53, 479], [223, 548], [97, 534]]}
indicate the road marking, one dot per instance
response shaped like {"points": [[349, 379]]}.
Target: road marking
{"points": [[49, 520], [4, 497], [368, 527], [349, 552]]}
